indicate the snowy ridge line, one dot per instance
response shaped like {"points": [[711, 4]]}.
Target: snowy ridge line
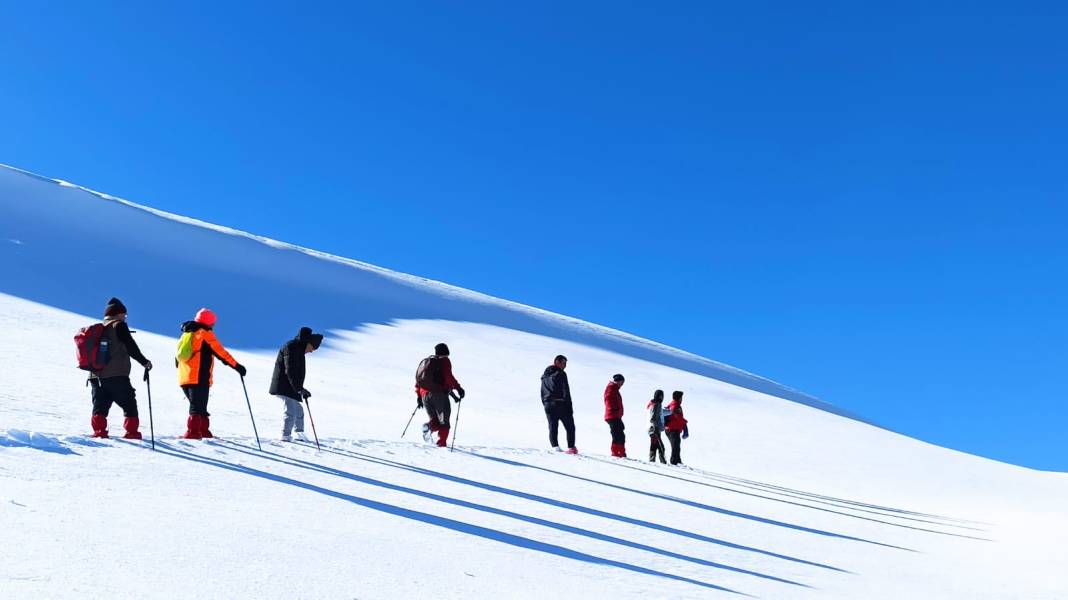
{"points": [[449, 290]]}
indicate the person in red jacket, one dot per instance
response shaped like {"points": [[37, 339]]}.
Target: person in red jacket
{"points": [[676, 427], [613, 415], [433, 383]]}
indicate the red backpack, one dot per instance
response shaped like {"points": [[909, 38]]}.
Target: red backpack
{"points": [[92, 348]]}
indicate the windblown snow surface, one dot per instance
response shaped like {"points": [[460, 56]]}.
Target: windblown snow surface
{"points": [[783, 496]]}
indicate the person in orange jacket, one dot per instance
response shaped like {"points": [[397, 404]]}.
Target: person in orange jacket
{"points": [[197, 350]]}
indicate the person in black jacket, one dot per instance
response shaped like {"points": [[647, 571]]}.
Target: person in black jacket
{"points": [[111, 385], [556, 398], [287, 382]]}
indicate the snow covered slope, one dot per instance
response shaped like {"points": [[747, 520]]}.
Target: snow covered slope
{"points": [[780, 499]]}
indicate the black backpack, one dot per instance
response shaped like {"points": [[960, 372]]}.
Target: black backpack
{"points": [[429, 374]]}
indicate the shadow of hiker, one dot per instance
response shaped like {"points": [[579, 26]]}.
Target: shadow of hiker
{"points": [[574, 507], [429, 519], [296, 462], [732, 513]]}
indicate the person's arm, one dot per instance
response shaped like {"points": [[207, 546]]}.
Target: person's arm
{"points": [[567, 387], [294, 368], [122, 331], [450, 379], [217, 348]]}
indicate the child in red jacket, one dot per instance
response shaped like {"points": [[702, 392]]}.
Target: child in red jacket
{"points": [[613, 415], [676, 427]]}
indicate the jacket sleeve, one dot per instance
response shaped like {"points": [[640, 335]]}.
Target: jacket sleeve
{"points": [[122, 331], [446, 371], [566, 386], [294, 368], [217, 348]]}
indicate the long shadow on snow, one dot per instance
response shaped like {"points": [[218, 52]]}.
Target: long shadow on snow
{"points": [[446, 523], [832, 501], [576, 507], [714, 509], [296, 462]]}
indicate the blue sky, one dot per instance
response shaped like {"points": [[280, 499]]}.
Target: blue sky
{"points": [[866, 203]]}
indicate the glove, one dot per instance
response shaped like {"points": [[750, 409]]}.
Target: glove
{"points": [[241, 370], [686, 433], [304, 394], [418, 400], [461, 392], [148, 365]]}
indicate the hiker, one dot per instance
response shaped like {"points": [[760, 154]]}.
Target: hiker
{"points": [[677, 429], [613, 415], [433, 383], [112, 383], [656, 425], [556, 398], [287, 382], [195, 360]]}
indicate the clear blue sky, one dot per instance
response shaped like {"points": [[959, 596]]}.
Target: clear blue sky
{"points": [[867, 203]]}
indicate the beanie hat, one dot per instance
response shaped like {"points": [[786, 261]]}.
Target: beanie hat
{"points": [[315, 340], [115, 307], [658, 396], [205, 317], [441, 350], [306, 336], [618, 378], [676, 395]]}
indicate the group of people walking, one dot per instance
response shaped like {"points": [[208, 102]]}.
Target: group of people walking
{"points": [[105, 350], [557, 402]]}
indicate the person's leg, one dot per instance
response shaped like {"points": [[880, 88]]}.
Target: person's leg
{"points": [[101, 407], [126, 397], [443, 411], [203, 393], [674, 438], [192, 427], [660, 448], [554, 426], [569, 427], [298, 417], [289, 416], [619, 440]]}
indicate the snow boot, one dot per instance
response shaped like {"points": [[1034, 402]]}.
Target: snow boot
{"points": [[131, 424], [426, 432], [204, 423], [286, 438], [572, 450], [100, 426], [300, 437], [443, 437], [192, 428], [557, 449], [619, 451]]}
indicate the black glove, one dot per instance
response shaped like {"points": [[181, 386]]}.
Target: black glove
{"points": [[418, 400], [304, 394], [241, 370], [461, 392], [148, 365]]}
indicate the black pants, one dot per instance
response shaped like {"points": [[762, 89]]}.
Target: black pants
{"points": [[114, 390], [438, 408], [675, 437], [198, 399], [616, 427], [656, 445], [557, 412]]}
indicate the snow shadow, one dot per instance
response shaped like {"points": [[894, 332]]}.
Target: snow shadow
{"points": [[724, 511], [571, 506], [296, 462], [430, 519], [17, 438], [165, 269]]}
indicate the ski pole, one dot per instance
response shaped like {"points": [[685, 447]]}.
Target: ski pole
{"points": [[151, 426], [410, 421], [455, 429], [250, 414], [312, 419]]}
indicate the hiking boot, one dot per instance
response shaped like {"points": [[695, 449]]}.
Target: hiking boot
{"points": [[572, 450], [299, 436], [286, 438]]}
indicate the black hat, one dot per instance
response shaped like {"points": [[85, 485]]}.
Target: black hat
{"points": [[114, 307], [316, 340], [658, 396], [441, 350], [618, 378], [676, 395], [306, 336]]}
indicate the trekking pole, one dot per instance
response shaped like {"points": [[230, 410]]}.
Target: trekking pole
{"points": [[410, 421], [250, 414], [312, 419], [455, 429], [151, 426]]}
